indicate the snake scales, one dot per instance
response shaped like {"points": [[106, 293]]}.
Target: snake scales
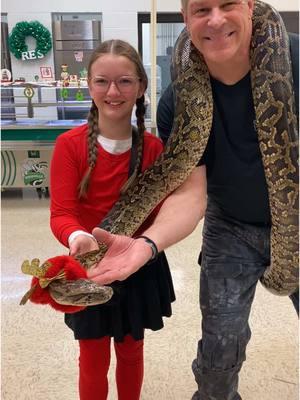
{"points": [[272, 87]]}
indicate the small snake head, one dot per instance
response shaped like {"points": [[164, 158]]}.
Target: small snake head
{"points": [[87, 260]]}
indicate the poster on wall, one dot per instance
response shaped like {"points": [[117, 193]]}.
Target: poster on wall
{"points": [[78, 56], [46, 72]]}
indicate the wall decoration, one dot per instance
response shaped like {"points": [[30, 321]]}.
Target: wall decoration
{"points": [[83, 73], [46, 72], [33, 172], [65, 76], [8, 168], [83, 77], [64, 93], [78, 56], [79, 95], [35, 29], [29, 92], [74, 79], [5, 75]]}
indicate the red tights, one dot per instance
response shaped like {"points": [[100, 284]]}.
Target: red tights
{"points": [[94, 361]]}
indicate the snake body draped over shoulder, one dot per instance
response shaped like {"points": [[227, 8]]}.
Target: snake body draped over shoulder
{"points": [[274, 102]]}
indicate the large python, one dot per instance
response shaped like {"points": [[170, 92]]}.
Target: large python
{"points": [[274, 101]]}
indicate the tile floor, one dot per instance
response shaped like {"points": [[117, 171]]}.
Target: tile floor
{"points": [[39, 355]]}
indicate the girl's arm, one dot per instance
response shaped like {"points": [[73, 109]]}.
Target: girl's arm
{"points": [[64, 180]]}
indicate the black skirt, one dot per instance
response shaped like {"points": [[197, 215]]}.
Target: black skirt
{"points": [[138, 303]]}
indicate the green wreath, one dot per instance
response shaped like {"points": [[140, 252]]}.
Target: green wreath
{"points": [[35, 29]]}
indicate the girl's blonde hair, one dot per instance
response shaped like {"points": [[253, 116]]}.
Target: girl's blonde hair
{"points": [[120, 48]]}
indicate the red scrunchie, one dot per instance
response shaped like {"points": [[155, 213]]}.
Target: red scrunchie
{"points": [[73, 271]]}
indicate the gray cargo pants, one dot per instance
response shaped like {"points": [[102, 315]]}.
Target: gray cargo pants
{"points": [[234, 257]]}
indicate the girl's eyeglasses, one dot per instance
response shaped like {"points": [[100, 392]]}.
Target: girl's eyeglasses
{"points": [[124, 84]]}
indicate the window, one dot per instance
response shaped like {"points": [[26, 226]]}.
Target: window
{"points": [[169, 26]]}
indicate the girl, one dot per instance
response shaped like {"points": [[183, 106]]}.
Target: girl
{"points": [[90, 165]]}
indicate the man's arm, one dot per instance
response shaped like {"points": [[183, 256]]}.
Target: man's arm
{"points": [[181, 211], [177, 218]]}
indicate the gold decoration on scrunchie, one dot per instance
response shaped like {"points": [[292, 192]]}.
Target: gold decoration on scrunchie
{"points": [[38, 271], [34, 268], [44, 282]]}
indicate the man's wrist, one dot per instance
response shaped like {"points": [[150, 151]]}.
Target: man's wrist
{"points": [[151, 244]]}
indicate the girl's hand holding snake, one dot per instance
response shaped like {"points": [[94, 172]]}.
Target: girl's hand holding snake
{"points": [[124, 256], [82, 244]]}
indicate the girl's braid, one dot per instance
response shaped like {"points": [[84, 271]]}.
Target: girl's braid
{"points": [[93, 131], [140, 116]]}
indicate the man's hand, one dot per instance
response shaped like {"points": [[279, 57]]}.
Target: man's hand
{"points": [[123, 257]]}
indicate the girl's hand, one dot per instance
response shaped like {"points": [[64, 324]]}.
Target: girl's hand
{"points": [[82, 244]]}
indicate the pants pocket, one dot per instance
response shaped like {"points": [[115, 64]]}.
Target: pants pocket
{"points": [[226, 286], [225, 351]]}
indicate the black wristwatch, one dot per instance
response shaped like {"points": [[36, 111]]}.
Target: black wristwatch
{"points": [[151, 244]]}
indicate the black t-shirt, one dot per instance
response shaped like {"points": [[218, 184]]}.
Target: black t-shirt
{"points": [[235, 174]]}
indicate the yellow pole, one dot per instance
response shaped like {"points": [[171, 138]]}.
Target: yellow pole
{"points": [[153, 62]]}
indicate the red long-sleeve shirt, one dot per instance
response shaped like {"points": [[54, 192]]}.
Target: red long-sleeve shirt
{"points": [[68, 166]]}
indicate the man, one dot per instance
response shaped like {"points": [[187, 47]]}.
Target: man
{"points": [[236, 235]]}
